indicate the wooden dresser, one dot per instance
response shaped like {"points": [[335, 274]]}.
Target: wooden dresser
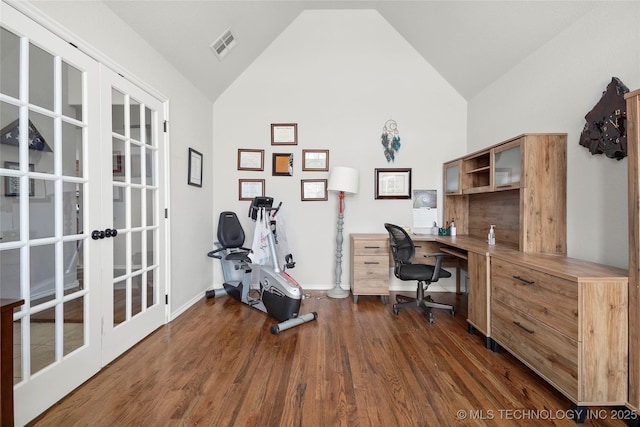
{"points": [[567, 320]]}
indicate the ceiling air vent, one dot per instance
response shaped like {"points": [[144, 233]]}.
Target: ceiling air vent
{"points": [[223, 44]]}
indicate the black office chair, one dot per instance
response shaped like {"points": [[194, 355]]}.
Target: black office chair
{"points": [[403, 251]]}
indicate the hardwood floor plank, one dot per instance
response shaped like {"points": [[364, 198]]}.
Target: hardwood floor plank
{"points": [[356, 365]]}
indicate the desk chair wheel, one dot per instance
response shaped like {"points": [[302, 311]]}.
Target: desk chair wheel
{"points": [[395, 309]]}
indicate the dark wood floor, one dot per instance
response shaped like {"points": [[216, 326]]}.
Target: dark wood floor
{"points": [[357, 365]]}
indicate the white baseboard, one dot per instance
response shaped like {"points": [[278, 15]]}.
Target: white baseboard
{"points": [[395, 285], [174, 314]]}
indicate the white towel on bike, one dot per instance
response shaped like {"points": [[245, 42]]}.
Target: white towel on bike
{"points": [[260, 249]]}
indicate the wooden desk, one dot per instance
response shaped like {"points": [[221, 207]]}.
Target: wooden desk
{"points": [[433, 243], [371, 259], [6, 359], [560, 316], [474, 254]]}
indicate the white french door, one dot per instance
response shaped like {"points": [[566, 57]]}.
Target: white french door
{"points": [[133, 278], [81, 155]]}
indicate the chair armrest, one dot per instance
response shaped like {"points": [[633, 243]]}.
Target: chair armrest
{"points": [[436, 268], [212, 254], [437, 254]]}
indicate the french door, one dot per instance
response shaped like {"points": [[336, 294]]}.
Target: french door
{"points": [[81, 153], [133, 281]]}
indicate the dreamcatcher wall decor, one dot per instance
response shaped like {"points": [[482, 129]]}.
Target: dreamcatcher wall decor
{"points": [[390, 139]]}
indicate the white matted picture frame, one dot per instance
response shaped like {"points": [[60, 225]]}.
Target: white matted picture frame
{"points": [[195, 168], [315, 160], [284, 134], [249, 189], [250, 159], [393, 183], [313, 190]]}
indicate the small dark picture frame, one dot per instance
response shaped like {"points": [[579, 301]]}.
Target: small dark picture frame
{"points": [[393, 183], [313, 190], [195, 168], [282, 164], [284, 134], [12, 183]]}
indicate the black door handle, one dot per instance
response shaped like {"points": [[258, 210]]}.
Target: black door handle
{"points": [[99, 234]]}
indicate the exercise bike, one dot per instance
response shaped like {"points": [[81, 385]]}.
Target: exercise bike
{"points": [[276, 293]]}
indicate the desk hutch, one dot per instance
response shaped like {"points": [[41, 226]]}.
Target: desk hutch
{"points": [[518, 185]]}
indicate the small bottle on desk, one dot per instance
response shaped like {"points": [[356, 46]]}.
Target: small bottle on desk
{"points": [[492, 236], [453, 227]]}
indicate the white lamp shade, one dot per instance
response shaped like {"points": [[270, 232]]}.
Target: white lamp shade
{"points": [[343, 179]]}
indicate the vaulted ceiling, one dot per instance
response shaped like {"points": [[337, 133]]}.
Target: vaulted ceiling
{"points": [[470, 43]]}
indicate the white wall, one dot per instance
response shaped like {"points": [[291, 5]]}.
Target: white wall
{"points": [[190, 115], [551, 91], [340, 75]]}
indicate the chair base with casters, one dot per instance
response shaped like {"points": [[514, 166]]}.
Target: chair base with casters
{"points": [[403, 252], [423, 303]]}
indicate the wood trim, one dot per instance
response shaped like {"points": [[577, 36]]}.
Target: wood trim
{"points": [[633, 139], [6, 359]]}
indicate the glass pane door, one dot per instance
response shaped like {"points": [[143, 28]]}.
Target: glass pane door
{"points": [[134, 300], [48, 97]]}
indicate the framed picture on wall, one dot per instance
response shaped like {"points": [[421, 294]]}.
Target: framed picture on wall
{"points": [[195, 168], [249, 189], [282, 164], [250, 160], [393, 183], [315, 160], [313, 190], [284, 134], [12, 183]]}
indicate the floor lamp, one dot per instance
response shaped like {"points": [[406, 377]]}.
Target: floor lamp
{"points": [[343, 180]]}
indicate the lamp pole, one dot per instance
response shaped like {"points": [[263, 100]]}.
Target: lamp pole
{"points": [[337, 291]]}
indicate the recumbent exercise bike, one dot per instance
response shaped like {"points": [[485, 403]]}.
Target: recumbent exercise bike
{"points": [[276, 293]]}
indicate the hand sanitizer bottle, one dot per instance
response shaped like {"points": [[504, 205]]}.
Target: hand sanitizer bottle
{"points": [[492, 235], [453, 227]]}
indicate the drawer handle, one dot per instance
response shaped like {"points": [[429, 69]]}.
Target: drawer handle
{"points": [[372, 247], [528, 282], [371, 262], [518, 324]]}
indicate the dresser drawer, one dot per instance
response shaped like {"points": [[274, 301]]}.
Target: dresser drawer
{"points": [[370, 275], [547, 298], [371, 247], [550, 353]]}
